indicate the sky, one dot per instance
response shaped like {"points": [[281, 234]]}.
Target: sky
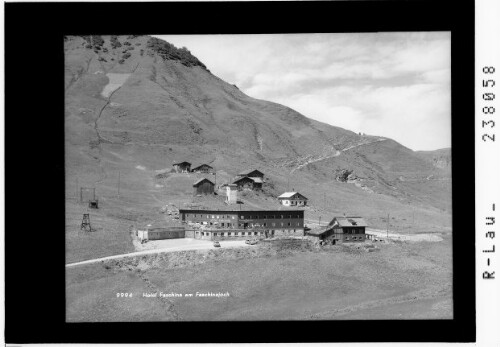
{"points": [[396, 85]]}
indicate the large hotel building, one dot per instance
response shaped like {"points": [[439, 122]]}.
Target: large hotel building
{"points": [[224, 224]]}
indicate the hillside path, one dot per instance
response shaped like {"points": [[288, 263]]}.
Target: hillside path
{"points": [[336, 154], [187, 247]]}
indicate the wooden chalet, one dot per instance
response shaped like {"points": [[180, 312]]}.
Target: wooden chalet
{"points": [[203, 186], [292, 199], [248, 183], [182, 166], [340, 230], [203, 168], [252, 173]]}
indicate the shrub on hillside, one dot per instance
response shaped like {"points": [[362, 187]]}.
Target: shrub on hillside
{"points": [[115, 43], [87, 39], [126, 56], [121, 61], [169, 52], [126, 43], [97, 41]]}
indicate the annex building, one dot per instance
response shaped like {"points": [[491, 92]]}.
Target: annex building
{"points": [[340, 230]]}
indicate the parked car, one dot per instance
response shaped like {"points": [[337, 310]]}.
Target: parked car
{"points": [[253, 242], [216, 244], [247, 242]]}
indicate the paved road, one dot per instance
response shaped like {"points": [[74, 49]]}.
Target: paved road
{"points": [[201, 244]]}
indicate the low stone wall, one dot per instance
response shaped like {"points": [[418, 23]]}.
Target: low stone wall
{"points": [[288, 232]]}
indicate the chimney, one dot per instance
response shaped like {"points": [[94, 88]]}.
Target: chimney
{"points": [[232, 194]]}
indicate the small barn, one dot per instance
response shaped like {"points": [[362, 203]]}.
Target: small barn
{"points": [[203, 186], [248, 183], [182, 167], [292, 199], [252, 173], [203, 168], [257, 182]]}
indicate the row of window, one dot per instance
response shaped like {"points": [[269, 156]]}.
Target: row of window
{"points": [[354, 238], [293, 202], [230, 233], [213, 216], [251, 225], [280, 216], [353, 231], [243, 217], [289, 224], [242, 233]]}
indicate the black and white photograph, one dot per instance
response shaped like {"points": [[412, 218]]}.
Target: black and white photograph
{"points": [[258, 177], [248, 172]]}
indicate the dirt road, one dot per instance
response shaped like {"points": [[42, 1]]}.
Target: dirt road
{"points": [[176, 246]]}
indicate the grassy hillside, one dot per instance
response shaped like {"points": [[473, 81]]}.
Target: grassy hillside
{"points": [[135, 105], [278, 280]]}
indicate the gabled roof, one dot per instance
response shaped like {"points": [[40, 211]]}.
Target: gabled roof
{"points": [[316, 232], [349, 221], [289, 195], [243, 178], [183, 162], [201, 180], [248, 172], [256, 179], [199, 166]]}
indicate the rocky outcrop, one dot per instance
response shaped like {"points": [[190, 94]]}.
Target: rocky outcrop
{"points": [[345, 175]]}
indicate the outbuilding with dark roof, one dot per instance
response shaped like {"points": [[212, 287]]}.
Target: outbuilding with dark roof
{"points": [[203, 186], [252, 173], [248, 183], [203, 168], [182, 166]]}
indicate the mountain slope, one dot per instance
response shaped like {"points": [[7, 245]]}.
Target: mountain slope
{"points": [[440, 158], [135, 105]]}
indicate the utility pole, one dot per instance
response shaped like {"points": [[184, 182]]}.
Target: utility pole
{"points": [[76, 188], [288, 184], [388, 226], [118, 184]]}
